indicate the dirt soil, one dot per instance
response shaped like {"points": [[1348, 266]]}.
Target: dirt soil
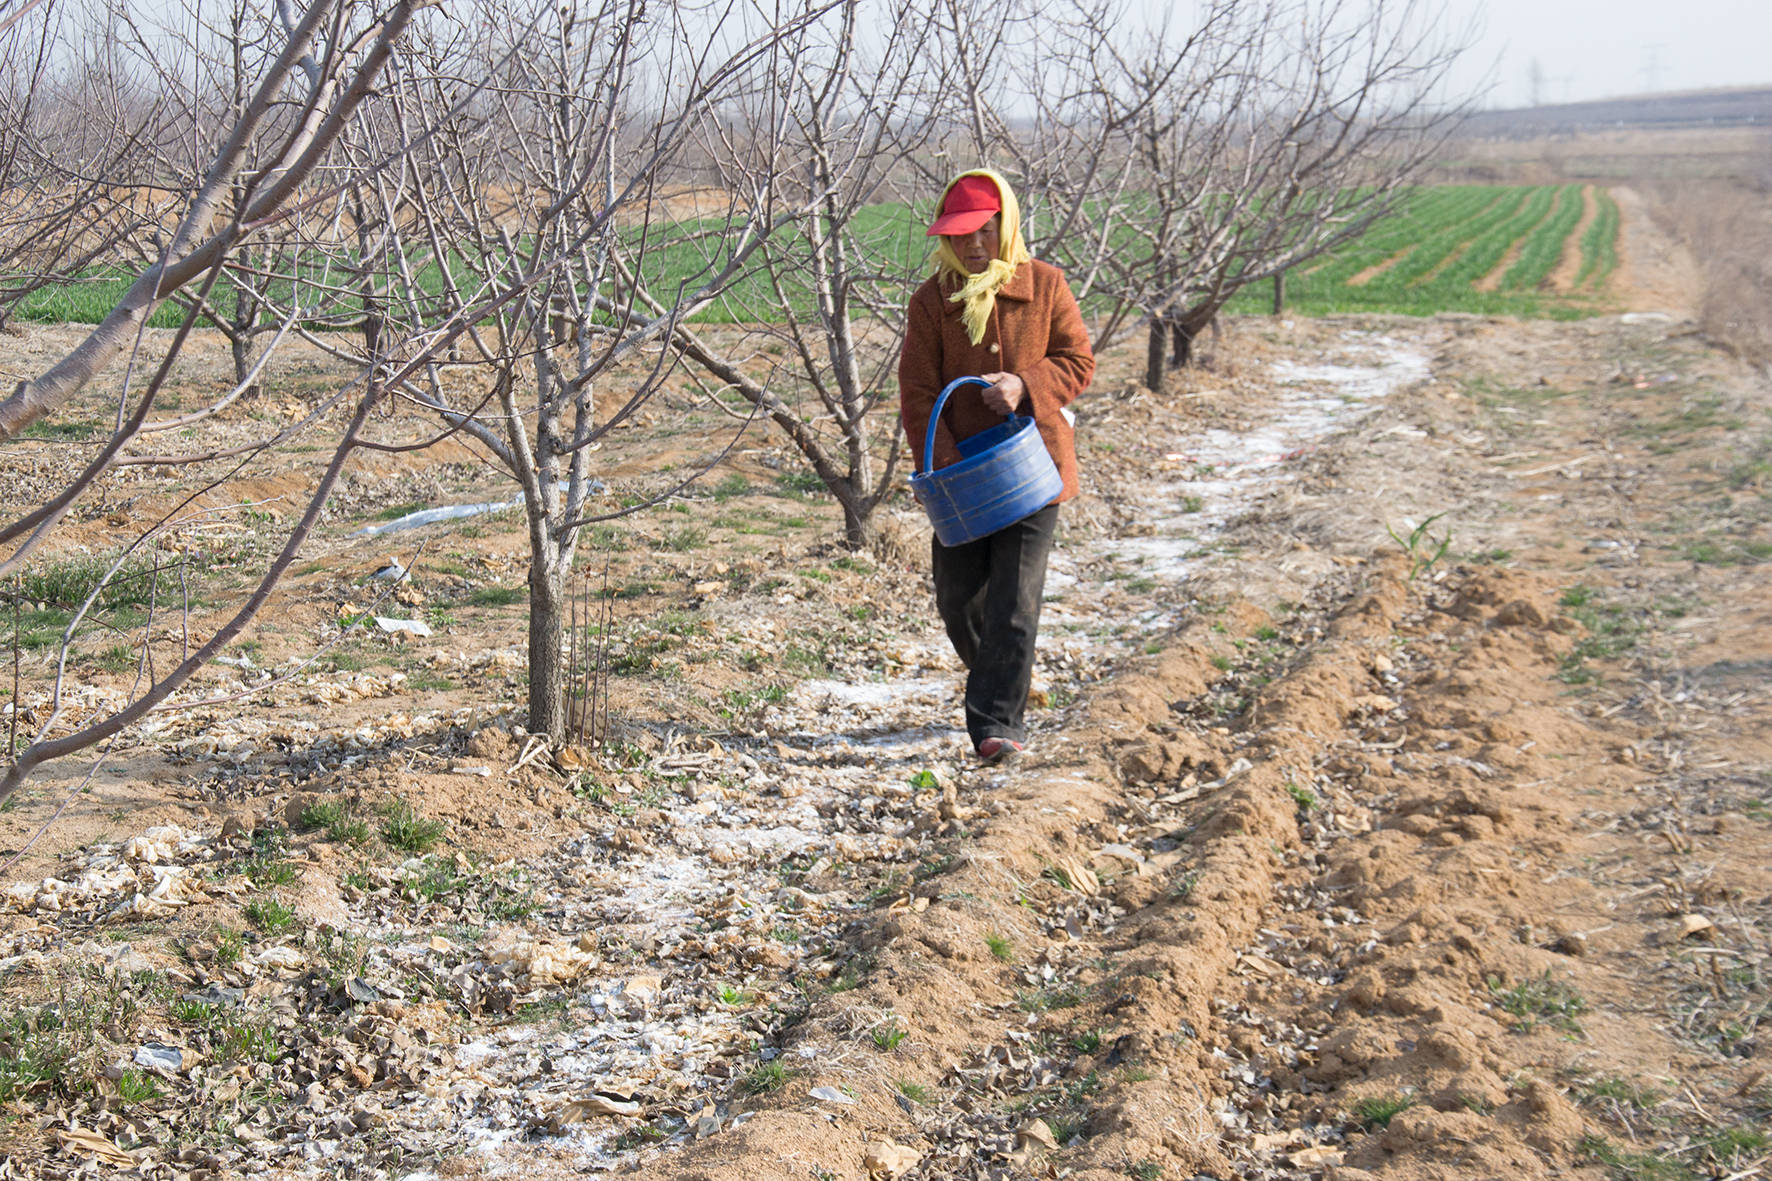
{"points": [[1399, 805]]}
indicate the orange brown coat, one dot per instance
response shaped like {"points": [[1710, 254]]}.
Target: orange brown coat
{"points": [[1035, 332]]}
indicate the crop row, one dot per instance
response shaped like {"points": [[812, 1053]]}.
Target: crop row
{"points": [[1599, 245]]}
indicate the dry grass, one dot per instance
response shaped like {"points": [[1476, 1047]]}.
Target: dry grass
{"points": [[1728, 228], [1628, 155]]}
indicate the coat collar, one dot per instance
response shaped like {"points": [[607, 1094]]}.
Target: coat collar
{"points": [[1020, 287]]}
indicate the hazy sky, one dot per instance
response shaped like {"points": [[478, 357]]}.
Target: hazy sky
{"points": [[1593, 49]]}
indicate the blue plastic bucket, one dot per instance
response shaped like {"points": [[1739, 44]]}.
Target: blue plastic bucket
{"points": [[1003, 474]]}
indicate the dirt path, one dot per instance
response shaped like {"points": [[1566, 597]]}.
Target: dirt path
{"points": [[1336, 855], [1378, 268], [1655, 273]]}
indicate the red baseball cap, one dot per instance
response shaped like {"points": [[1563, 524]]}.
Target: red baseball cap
{"points": [[969, 203]]}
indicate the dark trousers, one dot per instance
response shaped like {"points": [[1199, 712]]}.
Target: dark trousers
{"points": [[988, 593]]}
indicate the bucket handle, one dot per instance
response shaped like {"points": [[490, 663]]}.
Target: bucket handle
{"points": [[935, 416]]}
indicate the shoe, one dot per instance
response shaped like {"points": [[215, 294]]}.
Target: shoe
{"points": [[999, 750]]}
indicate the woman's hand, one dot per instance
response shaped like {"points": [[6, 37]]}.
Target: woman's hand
{"points": [[1006, 392]]}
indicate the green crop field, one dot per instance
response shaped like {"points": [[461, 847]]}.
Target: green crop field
{"points": [[678, 257], [1491, 249]]}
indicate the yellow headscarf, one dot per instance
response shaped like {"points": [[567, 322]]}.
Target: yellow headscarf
{"points": [[978, 293]]}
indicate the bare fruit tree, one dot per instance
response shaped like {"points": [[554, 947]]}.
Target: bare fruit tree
{"points": [[297, 109], [833, 145], [1315, 120], [570, 175], [1169, 168]]}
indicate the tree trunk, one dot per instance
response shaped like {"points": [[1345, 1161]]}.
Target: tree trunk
{"points": [[1155, 353], [547, 657], [244, 320], [242, 350], [244, 356], [1183, 342], [858, 527]]}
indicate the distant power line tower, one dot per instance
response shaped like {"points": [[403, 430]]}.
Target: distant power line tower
{"points": [[1535, 83], [1652, 67]]}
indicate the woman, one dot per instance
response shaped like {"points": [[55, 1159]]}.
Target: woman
{"points": [[991, 311]]}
